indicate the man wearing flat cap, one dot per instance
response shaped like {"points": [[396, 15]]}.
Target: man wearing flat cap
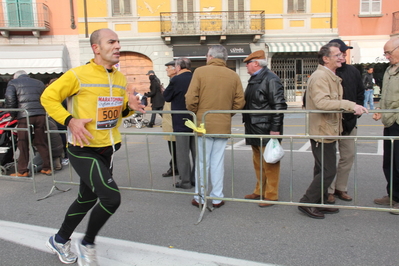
{"points": [[264, 92], [353, 89], [168, 127], [155, 93]]}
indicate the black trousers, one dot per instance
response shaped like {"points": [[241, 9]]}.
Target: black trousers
{"points": [[386, 161], [315, 191], [93, 165], [153, 116]]}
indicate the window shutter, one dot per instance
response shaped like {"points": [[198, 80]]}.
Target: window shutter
{"points": [[127, 10], [301, 6]]}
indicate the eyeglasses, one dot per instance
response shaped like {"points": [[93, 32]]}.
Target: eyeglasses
{"points": [[338, 55], [390, 52], [249, 62]]}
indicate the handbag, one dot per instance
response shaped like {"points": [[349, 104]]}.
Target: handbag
{"points": [[274, 152]]}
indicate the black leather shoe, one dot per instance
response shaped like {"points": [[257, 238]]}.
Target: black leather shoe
{"points": [[312, 212], [170, 173], [328, 210], [183, 186]]}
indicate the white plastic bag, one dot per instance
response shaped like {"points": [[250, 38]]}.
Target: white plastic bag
{"points": [[273, 151]]}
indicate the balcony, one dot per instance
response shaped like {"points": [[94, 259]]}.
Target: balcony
{"points": [[24, 17], [395, 23], [214, 23]]}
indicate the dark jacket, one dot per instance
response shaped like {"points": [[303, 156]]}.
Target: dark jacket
{"points": [[264, 92], [175, 93], [24, 93], [368, 81], [155, 92], [353, 91]]}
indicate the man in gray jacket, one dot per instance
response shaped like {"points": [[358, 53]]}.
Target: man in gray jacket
{"points": [[24, 92]]}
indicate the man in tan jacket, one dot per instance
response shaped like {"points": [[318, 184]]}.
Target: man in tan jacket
{"points": [[214, 87], [325, 92]]}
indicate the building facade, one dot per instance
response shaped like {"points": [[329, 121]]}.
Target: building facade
{"points": [[367, 25], [38, 36]]}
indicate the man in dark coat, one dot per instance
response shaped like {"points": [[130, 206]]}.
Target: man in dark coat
{"points": [[155, 93], [24, 92], [185, 145], [264, 92], [353, 91]]}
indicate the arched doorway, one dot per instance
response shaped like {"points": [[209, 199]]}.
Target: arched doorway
{"points": [[135, 66]]}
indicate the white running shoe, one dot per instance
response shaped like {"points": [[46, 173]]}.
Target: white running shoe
{"points": [[62, 250], [86, 254]]}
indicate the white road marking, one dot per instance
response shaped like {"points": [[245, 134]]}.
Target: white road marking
{"points": [[241, 146], [118, 252]]}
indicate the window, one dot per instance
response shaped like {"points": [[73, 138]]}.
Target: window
{"points": [[370, 7], [185, 9], [20, 13], [121, 8], [236, 5], [296, 6]]}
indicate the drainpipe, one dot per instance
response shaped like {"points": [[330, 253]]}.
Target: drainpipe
{"points": [[86, 24], [331, 14], [73, 25]]}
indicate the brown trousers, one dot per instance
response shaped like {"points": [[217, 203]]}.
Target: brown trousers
{"points": [[267, 185], [40, 142]]}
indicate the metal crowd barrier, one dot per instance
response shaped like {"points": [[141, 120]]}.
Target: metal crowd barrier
{"points": [[14, 130], [289, 156]]}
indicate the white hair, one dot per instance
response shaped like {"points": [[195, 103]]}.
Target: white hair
{"points": [[19, 73], [261, 62]]}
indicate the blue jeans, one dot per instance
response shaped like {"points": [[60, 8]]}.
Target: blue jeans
{"points": [[214, 148], [369, 98]]}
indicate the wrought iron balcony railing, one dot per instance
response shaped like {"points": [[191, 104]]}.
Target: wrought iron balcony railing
{"points": [[395, 22], [17, 16], [212, 23]]}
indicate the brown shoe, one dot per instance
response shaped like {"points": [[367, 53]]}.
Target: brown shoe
{"points": [[343, 195], [312, 212], [218, 205], [384, 201], [330, 199], [46, 172], [262, 205], [396, 207], [26, 174], [195, 203], [252, 196]]}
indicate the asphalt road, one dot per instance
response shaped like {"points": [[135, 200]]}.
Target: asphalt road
{"points": [[239, 233]]}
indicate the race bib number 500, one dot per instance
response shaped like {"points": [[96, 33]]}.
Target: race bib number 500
{"points": [[108, 111]]}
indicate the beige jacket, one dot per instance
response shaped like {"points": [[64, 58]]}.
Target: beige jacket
{"points": [[215, 87], [325, 92]]}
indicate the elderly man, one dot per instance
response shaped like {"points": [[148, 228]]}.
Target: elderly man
{"points": [[168, 127], [390, 100], [185, 145], [264, 92], [94, 89], [214, 87], [353, 89], [324, 92]]}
